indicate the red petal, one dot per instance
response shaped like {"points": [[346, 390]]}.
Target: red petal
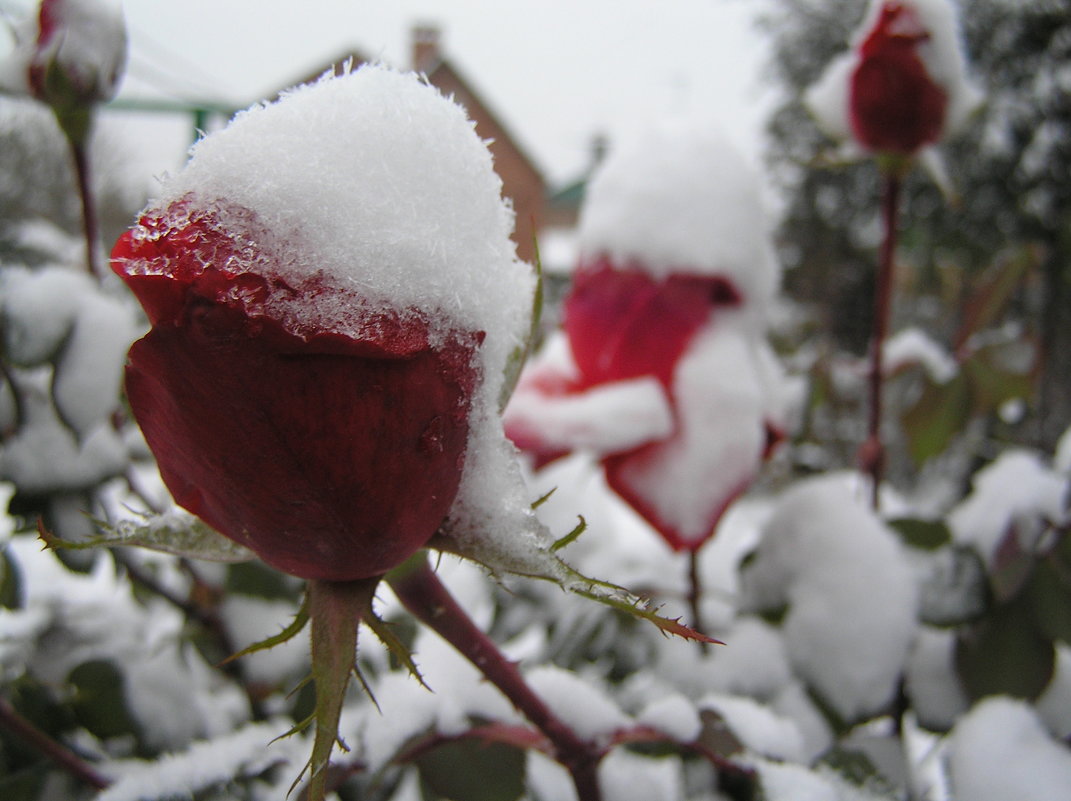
{"points": [[327, 465], [623, 324]]}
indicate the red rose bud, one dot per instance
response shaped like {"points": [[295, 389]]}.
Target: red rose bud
{"points": [[895, 106], [334, 298], [333, 452], [903, 85], [79, 54]]}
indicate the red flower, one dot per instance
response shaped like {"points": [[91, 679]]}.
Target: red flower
{"points": [[333, 449], [78, 57], [895, 105], [668, 396]]}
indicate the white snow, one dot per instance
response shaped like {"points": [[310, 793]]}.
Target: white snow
{"points": [[378, 186], [673, 714], [1054, 705], [1016, 487], [610, 418], [785, 781], [849, 589], [625, 776], [1000, 751], [936, 694], [578, 702], [718, 446], [1061, 460], [245, 752], [678, 198], [758, 728], [913, 346]]}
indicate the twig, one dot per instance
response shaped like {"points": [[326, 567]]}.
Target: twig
{"points": [[420, 590], [66, 759]]}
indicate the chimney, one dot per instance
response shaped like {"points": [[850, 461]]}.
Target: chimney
{"points": [[425, 43]]}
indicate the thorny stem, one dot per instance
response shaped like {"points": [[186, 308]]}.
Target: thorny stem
{"points": [[335, 611], [873, 451], [420, 590], [90, 227], [28, 733]]}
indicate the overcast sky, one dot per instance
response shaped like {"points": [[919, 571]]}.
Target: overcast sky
{"points": [[556, 71]]}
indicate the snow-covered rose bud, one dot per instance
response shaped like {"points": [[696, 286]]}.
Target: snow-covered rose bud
{"points": [[79, 52], [332, 451], [332, 292], [902, 86], [662, 370]]}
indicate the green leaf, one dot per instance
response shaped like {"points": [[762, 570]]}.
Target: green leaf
{"points": [[996, 287], [938, 415], [175, 533], [854, 766], [926, 535], [468, 769], [1050, 596], [717, 736], [256, 580], [1005, 654], [519, 356], [995, 378], [99, 702], [1012, 566]]}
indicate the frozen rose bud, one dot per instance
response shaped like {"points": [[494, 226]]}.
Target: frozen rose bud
{"points": [[79, 52], [895, 106], [902, 86], [334, 298], [727, 419], [331, 455], [662, 371]]}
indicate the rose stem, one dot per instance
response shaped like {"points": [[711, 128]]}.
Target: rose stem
{"points": [[695, 593], [420, 590], [874, 449], [28, 733], [335, 610], [90, 228]]}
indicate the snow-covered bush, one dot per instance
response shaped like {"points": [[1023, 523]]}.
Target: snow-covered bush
{"points": [[884, 639]]}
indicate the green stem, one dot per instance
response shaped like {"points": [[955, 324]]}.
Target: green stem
{"points": [[420, 590], [335, 611], [873, 460]]}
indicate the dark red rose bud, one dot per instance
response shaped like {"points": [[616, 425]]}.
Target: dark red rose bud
{"points": [[622, 323], [895, 105], [332, 449]]}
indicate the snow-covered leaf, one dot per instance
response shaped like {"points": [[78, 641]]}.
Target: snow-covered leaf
{"points": [[174, 533]]}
